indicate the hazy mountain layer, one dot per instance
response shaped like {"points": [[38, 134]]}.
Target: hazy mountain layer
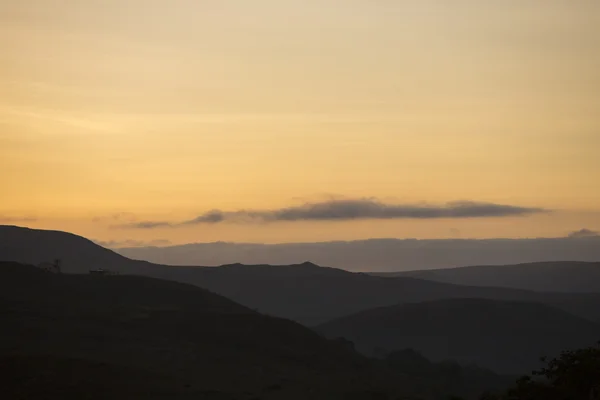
{"points": [[565, 276], [378, 254]]}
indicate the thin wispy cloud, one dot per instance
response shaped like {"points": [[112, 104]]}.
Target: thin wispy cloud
{"points": [[119, 244], [145, 225], [346, 210], [121, 217], [15, 220]]}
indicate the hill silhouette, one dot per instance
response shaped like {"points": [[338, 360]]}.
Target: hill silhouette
{"points": [[372, 255], [305, 293], [194, 342], [556, 276], [78, 254], [505, 336]]}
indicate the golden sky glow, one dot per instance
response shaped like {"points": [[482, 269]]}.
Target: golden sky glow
{"points": [[168, 109]]}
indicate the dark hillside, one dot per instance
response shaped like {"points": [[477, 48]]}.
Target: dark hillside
{"points": [[78, 254], [508, 337], [193, 338]]}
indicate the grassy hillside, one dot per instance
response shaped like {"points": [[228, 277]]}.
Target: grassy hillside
{"points": [[508, 337], [192, 340], [565, 276]]}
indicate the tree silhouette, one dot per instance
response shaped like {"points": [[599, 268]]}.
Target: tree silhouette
{"points": [[57, 265], [574, 375]]}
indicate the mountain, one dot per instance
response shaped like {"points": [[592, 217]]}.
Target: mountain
{"points": [[377, 254], [305, 292], [565, 276], [187, 341], [506, 336]]}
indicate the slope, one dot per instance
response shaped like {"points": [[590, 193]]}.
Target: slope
{"points": [[195, 339], [564, 276], [506, 336], [77, 254]]}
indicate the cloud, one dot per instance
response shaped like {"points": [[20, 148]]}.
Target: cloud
{"points": [[584, 233], [144, 225], [13, 220], [117, 217], [117, 244], [210, 217], [349, 209]]}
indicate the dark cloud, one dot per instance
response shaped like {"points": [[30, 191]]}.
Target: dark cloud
{"points": [[210, 217], [584, 233], [352, 209], [374, 209], [119, 244]]}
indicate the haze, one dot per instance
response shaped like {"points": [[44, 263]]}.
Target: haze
{"points": [[277, 121]]}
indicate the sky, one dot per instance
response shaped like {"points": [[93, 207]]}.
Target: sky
{"points": [[271, 121]]}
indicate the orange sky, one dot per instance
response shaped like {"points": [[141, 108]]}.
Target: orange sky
{"points": [[164, 110]]}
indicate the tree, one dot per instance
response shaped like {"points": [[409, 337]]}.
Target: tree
{"points": [[57, 265], [574, 375]]}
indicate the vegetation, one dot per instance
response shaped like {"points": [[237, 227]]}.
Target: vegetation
{"points": [[448, 376], [574, 375]]}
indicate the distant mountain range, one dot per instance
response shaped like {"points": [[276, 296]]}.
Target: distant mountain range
{"points": [[505, 336], [565, 276], [305, 292], [378, 255]]}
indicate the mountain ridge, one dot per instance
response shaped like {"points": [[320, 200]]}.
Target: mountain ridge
{"points": [[305, 293]]}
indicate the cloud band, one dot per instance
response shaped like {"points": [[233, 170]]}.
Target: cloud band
{"points": [[345, 210]]}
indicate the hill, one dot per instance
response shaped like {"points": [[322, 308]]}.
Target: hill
{"points": [[305, 292], [563, 276], [505, 336], [377, 254], [193, 342], [78, 255]]}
